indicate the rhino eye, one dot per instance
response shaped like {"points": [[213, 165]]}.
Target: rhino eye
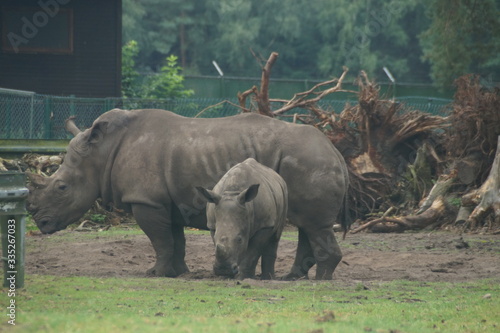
{"points": [[62, 187]]}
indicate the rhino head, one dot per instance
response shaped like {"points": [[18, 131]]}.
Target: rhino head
{"points": [[61, 199], [231, 228]]}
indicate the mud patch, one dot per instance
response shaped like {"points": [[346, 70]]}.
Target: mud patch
{"points": [[438, 256]]}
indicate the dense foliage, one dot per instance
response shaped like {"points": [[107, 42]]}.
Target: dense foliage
{"points": [[463, 37], [418, 41], [168, 83]]}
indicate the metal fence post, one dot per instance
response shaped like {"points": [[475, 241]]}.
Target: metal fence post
{"points": [[32, 112], [47, 115], [109, 104], [13, 194], [8, 120], [72, 108], [222, 87]]}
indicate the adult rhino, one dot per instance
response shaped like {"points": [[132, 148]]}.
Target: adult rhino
{"points": [[149, 162]]}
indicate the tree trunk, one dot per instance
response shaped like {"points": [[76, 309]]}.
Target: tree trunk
{"points": [[487, 196]]}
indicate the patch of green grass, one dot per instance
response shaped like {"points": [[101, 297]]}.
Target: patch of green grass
{"points": [[114, 233], [457, 202], [98, 218], [493, 245], [290, 235], [30, 223], [81, 304]]}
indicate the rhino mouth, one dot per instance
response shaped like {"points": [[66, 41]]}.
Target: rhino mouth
{"points": [[226, 269], [47, 231], [47, 225]]}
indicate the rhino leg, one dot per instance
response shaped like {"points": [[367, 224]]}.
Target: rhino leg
{"points": [[256, 244], [326, 251], [157, 225], [269, 255], [179, 262], [304, 258], [246, 267]]}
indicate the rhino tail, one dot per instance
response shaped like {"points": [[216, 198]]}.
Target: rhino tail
{"points": [[283, 210], [346, 221]]}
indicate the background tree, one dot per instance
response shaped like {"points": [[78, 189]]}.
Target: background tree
{"points": [[168, 83], [156, 25], [463, 37], [418, 41], [129, 73]]}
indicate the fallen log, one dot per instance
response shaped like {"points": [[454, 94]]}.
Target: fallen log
{"points": [[463, 214], [438, 190]]}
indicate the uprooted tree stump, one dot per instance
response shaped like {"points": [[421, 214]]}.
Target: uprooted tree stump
{"points": [[379, 139], [376, 136], [471, 138], [394, 153], [486, 199]]}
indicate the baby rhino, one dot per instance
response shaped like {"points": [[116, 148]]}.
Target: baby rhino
{"points": [[246, 214]]}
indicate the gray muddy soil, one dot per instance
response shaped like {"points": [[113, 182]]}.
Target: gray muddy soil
{"points": [[435, 256]]}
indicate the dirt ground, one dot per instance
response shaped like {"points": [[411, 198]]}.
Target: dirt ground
{"points": [[429, 256]]}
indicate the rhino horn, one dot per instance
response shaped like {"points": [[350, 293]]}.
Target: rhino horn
{"points": [[70, 126], [220, 251], [37, 180]]}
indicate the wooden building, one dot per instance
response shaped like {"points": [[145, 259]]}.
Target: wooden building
{"points": [[61, 47]]}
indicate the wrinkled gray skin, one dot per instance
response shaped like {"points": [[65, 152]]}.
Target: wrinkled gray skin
{"points": [[246, 214], [148, 162]]}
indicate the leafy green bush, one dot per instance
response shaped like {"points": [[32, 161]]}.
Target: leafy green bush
{"points": [[168, 83]]}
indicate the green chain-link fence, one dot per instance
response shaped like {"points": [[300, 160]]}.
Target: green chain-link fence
{"points": [[26, 115]]}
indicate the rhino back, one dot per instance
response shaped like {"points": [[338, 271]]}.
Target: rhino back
{"points": [[163, 156]]}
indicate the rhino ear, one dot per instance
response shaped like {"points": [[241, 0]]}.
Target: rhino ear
{"points": [[249, 194], [97, 132], [37, 180], [70, 126], [209, 195]]}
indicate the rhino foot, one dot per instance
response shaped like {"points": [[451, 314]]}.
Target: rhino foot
{"points": [[161, 272], [294, 277], [267, 276], [181, 269]]}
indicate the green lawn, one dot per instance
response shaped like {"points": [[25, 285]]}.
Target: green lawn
{"points": [[81, 304]]}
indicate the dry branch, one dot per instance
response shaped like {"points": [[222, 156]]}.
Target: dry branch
{"points": [[263, 100], [261, 96], [411, 222], [215, 105], [414, 123], [242, 98], [300, 100]]}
